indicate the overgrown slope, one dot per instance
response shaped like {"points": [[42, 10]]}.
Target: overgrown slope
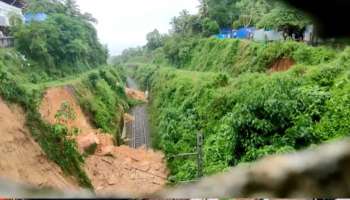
{"points": [[245, 112], [100, 92], [238, 56], [62, 50]]}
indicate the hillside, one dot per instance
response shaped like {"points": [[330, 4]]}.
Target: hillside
{"points": [[78, 123], [191, 103], [64, 124], [22, 158], [244, 100]]}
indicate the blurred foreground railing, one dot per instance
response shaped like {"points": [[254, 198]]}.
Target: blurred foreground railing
{"points": [[322, 172], [318, 172]]}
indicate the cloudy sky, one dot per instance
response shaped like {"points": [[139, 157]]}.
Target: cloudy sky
{"points": [[125, 23]]}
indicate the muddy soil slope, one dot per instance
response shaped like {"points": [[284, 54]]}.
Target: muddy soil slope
{"points": [[21, 158], [111, 169]]}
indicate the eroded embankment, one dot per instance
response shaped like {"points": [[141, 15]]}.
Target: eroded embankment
{"points": [[21, 158], [111, 169]]}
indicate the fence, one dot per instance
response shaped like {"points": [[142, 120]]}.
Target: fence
{"points": [[6, 42], [198, 154]]}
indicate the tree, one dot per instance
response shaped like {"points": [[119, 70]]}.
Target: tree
{"points": [[72, 8], [186, 24], [88, 17], [224, 12], [251, 11], [203, 9], [154, 40], [45, 6], [283, 18], [65, 39], [210, 27]]}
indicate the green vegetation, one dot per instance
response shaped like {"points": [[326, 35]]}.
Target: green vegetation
{"points": [[187, 30], [62, 51], [282, 17], [237, 56], [215, 14], [244, 112], [101, 94], [225, 87], [52, 138], [74, 34], [220, 87], [258, 13], [65, 113], [189, 25]]}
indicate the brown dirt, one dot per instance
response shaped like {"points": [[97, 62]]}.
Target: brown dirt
{"points": [[110, 169], [21, 158], [52, 102], [128, 118], [282, 65], [135, 94], [127, 171]]}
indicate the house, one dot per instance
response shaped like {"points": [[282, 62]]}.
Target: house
{"points": [[8, 9], [16, 3], [263, 35]]}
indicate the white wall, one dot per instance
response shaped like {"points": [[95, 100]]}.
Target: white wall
{"points": [[7, 10]]}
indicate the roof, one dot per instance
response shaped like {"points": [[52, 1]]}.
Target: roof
{"points": [[16, 3], [7, 10]]}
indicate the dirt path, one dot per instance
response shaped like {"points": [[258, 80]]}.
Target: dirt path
{"points": [[138, 130], [21, 158]]}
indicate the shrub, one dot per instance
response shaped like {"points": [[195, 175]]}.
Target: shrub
{"points": [[246, 117], [236, 57], [102, 95]]}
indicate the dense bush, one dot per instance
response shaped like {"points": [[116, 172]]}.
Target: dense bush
{"points": [[178, 50], [66, 42], [253, 114], [101, 94], [237, 56], [16, 86], [62, 46]]}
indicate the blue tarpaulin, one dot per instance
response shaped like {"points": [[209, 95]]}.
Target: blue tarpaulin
{"points": [[244, 33], [226, 33], [38, 17]]}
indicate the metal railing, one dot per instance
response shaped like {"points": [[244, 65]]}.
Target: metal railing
{"points": [[198, 155], [6, 42]]}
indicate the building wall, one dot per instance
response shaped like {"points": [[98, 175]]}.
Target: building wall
{"points": [[7, 10]]}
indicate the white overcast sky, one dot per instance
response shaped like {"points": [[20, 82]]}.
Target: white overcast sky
{"points": [[125, 23]]}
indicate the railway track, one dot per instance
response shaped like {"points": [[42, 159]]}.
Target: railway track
{"points": [[138, 130]]}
